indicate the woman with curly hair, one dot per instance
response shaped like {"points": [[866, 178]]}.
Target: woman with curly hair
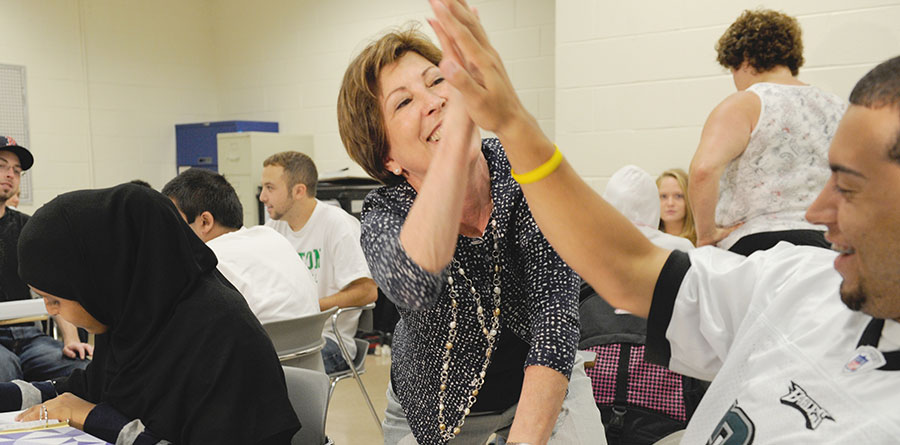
{"points": [[675, 217], [762, 157]]}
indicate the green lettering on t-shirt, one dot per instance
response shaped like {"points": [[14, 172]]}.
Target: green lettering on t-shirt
{"points": [[312, 259]]}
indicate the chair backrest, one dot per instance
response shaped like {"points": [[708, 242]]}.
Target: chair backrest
{"points": [[362, 349], [299, 340], [362, 346], [358, 365], [308, 392], [366, 320]]}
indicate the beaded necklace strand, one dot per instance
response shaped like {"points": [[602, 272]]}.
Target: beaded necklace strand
{"points": [[490, 332]]}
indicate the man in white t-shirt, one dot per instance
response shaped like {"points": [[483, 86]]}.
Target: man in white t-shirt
{"points": [[326, 238], [257, 260]]}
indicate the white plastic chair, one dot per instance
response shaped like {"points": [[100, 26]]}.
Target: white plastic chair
{"points": [[357, 364], [298, 341], [308, 392]]}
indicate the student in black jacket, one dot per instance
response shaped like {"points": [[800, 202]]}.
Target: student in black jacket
{"points": [[180, 357]]}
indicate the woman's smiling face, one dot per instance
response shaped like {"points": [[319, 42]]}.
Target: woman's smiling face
{"points": [[413, 97]]}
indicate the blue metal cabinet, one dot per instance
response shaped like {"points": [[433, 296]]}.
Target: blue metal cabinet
{"points": [[196, 145]]}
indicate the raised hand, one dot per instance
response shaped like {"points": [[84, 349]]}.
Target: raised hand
{"points": [[461, 134], [474, 67]]}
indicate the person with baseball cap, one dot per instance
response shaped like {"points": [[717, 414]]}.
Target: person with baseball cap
{"points": [[26, 353]]}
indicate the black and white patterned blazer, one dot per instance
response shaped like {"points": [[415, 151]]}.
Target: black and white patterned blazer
{"points": [[539, 300]]}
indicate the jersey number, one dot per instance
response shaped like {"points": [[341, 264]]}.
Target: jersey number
{"points": [[735, 428]]}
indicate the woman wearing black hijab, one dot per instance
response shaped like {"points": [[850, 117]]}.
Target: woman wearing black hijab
{"points": [[179, 354]]}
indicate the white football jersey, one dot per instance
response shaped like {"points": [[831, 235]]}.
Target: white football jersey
{"points": [[780, 346]]}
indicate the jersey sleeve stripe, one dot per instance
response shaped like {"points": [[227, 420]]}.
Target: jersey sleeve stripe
{"points": [[661, 307]]}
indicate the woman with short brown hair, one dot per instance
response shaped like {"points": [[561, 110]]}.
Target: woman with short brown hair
{"points": [[489, 318], [359, 111]]}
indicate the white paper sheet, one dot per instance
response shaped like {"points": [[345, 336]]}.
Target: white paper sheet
{"points": [[8, 422]]}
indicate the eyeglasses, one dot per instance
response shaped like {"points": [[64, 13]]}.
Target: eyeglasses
{"points": [[16, 170]]}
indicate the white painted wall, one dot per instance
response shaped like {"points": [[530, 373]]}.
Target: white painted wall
{"points": [[612, 82], [106, 82], [150, 66], [636, 80], [284, 60]]}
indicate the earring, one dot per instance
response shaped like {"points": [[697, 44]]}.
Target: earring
{"points": [[397, 171]]}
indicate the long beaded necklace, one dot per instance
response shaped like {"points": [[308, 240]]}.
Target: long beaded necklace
{"points": [[490, 332]]}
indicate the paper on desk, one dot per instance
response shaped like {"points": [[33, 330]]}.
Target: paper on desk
{"points": [[22, 308], [8, 423], [9, 417]]}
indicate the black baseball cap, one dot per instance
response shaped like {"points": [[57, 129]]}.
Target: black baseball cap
{"points": [[25, 158]]}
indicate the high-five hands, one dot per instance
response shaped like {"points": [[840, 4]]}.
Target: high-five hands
{"points": [[474, 67], [460, 130]]}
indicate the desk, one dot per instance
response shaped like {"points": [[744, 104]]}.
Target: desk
{"points": [[14, 311], [51, 436], [24, 311], [23, 320]]}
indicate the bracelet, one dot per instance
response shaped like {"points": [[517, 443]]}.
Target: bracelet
{"points": [[541, 171]]}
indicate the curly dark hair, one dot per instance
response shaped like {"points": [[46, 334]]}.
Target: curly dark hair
{"points": [[764, 39]]}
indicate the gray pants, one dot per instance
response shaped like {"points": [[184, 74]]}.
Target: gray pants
{"points": [[578, 423]]}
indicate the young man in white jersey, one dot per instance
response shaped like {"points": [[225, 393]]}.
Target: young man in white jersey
{"points": [[327, 240], [803, 343], [258, 261]]}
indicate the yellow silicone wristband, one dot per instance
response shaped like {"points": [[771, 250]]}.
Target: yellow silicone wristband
{"points": [[541, 171]]}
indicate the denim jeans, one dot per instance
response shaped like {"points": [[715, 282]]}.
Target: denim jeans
{"points": [[331, 355], [28, 354]]}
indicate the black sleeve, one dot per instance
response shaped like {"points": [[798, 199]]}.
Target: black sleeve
{"points": [[281, 438], [670, 277], [75, 383], [11, 395], [106, 422], [12, 287]]}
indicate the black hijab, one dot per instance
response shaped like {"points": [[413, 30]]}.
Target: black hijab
{"points": [[183, 352]]}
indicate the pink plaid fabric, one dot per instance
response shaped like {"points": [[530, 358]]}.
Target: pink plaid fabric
{"points": [[649, 386]]}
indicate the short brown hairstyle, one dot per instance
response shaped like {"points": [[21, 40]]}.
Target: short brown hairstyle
{"points": [[298, 169], [764, 39], [360, 120]]}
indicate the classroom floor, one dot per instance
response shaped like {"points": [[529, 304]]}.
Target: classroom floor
{"points": [[349, 420]]}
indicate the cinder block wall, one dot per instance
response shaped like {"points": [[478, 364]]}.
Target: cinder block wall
{"points": [[636, 80], [611, 82], [284, 61], [106, 82]]}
